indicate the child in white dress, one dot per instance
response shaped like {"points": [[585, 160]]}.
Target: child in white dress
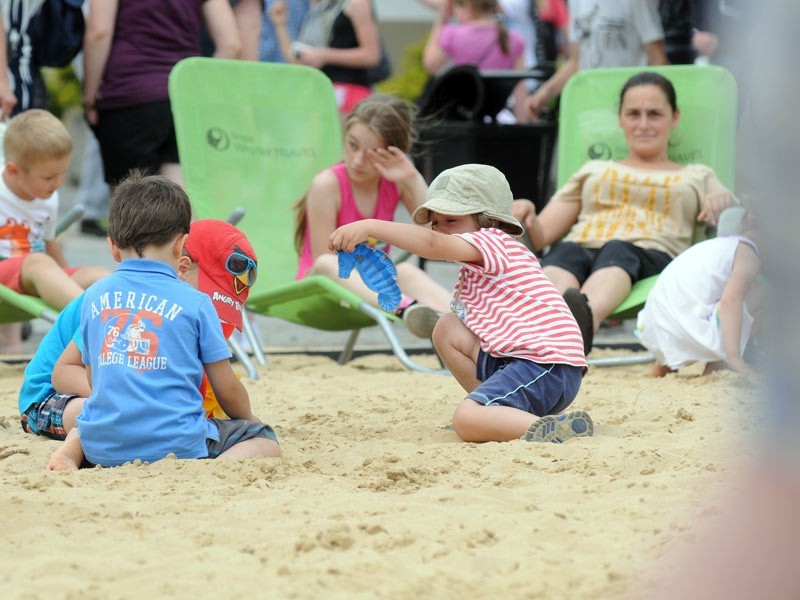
{"points": [[704, 304]]}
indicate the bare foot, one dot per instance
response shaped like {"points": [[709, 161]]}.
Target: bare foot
{"points": [[714, 366], [661, 370], [67, 458], [62, 461]]}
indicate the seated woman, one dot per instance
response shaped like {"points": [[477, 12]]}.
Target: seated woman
{"points": [[622, 221]]}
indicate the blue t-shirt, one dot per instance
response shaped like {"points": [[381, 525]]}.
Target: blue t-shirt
{"points": [[36, 385], [146, 336]]}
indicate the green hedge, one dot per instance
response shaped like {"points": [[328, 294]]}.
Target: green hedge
{"points": [[410, 77], [63, 89]]}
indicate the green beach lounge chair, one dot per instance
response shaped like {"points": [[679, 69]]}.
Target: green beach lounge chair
{"points": [[253, 135], [706, 132]]}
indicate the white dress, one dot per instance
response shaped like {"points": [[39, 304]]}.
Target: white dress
{"points": [[680, 320]]}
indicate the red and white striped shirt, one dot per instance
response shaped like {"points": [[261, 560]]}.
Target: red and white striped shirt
{"points": [[511, 305]]}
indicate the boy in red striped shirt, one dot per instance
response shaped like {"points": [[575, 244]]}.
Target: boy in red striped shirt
{"points": [[510, 340]]}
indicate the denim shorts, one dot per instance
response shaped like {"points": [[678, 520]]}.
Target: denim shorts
{"points": [[47, 418], [525, 385], [233, 431]]}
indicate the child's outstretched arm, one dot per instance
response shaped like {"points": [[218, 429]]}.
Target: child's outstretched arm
{"points": [[746, 266], [231, 394], [418, 240]]}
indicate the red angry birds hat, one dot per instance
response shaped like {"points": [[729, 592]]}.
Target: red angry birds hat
{"points": [[227, 266]]}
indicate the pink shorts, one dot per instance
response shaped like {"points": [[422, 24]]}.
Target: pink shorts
{"points": [[348, 95], [11, 273]]}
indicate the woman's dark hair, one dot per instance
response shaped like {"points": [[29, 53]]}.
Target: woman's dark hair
{"points": [[651, 78]]}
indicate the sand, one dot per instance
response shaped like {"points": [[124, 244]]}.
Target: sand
{"points": [[376, 497]]}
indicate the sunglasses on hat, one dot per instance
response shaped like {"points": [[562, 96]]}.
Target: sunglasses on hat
{"points": [[239, 263]]}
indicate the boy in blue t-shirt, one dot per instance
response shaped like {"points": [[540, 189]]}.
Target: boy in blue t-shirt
{"points": [[50, 398], [147, 339]]}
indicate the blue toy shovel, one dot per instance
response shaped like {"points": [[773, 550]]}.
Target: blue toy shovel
{"points": [[377, 271]]}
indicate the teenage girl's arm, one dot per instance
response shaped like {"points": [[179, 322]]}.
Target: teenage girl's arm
{"points": [[96, 47], [221, 24], [366, 54], [434, 57], [394, 165], [231, 394], [418, 240], [69, 373], [746, 266], [323, 202]]}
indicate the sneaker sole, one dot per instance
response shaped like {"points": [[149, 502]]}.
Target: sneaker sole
{"points": [[560, 428], [420, 320]]}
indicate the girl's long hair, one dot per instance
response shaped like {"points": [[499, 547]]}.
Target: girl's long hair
{"points": [[392, 119], [492, 7]]}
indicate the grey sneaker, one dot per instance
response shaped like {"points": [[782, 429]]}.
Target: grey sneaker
{"points": [[420, 320], [560, 428]]}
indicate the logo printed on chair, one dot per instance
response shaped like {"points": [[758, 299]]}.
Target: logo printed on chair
{"points": [[218, 139], [600, 151]]}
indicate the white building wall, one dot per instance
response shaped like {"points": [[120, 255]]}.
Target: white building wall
{"points": [[403, 10]]}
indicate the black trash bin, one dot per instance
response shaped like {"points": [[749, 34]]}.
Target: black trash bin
{"points": [[457, 125]]}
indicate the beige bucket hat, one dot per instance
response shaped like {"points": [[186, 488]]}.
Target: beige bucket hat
{"points": [[467, 190]]}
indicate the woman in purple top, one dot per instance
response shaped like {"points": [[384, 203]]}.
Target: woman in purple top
{"points": [[129, 51], [479, 37]]}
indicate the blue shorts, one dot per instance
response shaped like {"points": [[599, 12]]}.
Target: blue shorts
{"points": [[233, 431], [525, 385], [47, 418]]}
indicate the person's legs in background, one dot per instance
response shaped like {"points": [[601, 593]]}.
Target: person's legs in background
{"points": [[93, 191]]}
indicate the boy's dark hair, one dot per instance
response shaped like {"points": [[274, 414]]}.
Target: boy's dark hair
{"points": [[147, 210]]}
